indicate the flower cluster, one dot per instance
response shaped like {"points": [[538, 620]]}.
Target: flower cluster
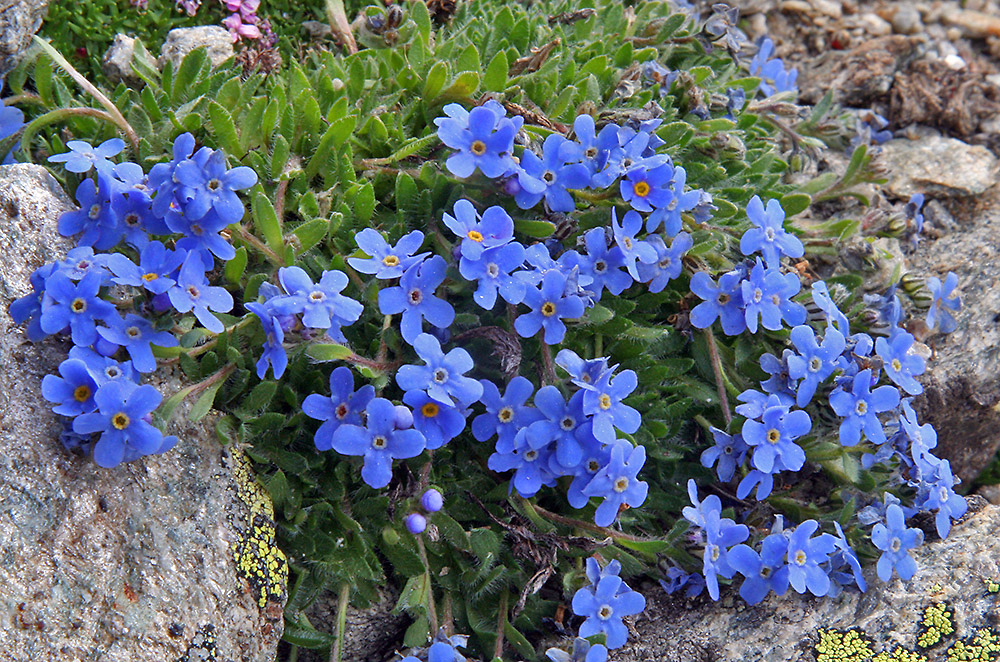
{"points": [[604, 603], [185, 202], [11, 122], [774, 77]]}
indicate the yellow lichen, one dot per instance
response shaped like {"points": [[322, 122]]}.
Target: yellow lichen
{"points": [[936, 625], [899, 655], [984, 646], [257, 556], [847, 646], [992, 585]]}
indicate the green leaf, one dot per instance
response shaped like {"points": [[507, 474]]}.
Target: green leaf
{"points": [[43, 79], [495, 79], [204, 403], [235, 267], [328, 352], [415, 595], [416, 635], [364, 203], [305, 636], [311, 233], [259, 397], [536, 229], [468, 60], [224, 129], [334, 137], [669, 27], [795, 203], [519, 641], [645, 546], [436, 78], [279, 156], [266, 220], [422, 18], [463, 87]]}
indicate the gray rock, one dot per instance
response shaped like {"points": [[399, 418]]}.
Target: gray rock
{"points": [[953, 572], [117, 62], [19, 20], [181, 41], [906, 19], [147, 561], [939, 167], [962, 383]]}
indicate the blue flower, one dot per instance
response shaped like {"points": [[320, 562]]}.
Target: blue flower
{"points": [[76, 306], [895, 541], [764, 572], [549, 305], [768, 236], [505, 415], [438, 422], [814, 362], [136, 218], [161, 176], [603, 402], [157, 265], [937, 493], [11, 121], [321, 304], [899, 363], [604, 605], [821, 297], [483, 136], [103, 369], [529, 457], [861, 407], [192, 292], [888, 307], [95, 218], [582, 372], [723, 301], [845, 556], [603, 265], [617, 482], [943, 300], [274, 350], [728, 452], [698, 511], [595, 457], [768, 293], [555, 172], [583, 651], [668, 263], [780, 382], [136, 334], [442, 375], [342, 407], [805, 555], [210, 186], [682, 202], [73, 391], [594, 146], [29, 307], [378, 442], [625, 237], [82, 156], [492, 270], [762, 480], [721, 533], [120, 419], [774, 77], [647, 187], [558, 424], [201, 235], [773, 437], [387, 261], [478, 233], [81, 261], [414, 297]]}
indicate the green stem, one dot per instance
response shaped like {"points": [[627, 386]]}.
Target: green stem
{"points": [[260, 246], [501, 622], [598, 345], [720, 378], [56, 116], [581, 524], [337, 16], [431, 610], [703, 422], [116, 115], [343, 599], [406, 151]]}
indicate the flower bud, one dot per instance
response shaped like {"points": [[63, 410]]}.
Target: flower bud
{"points": [[432, 501], [403, 419], [390, 536], [416, 523], [911, 283], [105, 347]]}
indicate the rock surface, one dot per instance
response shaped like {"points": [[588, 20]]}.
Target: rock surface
{"points": [[117, 62], [19, 20], [148, 561], [954, 572], [181, 41], [938, 166]]}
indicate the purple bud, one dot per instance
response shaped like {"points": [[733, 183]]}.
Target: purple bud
{"points": [[403, 418], [432, 501], [161, 302], [512, 186], [416, 523], [105, 347]]}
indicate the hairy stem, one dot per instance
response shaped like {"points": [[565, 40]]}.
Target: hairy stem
{"points": [[501, 622], [720, 385], [431, 610], [343, 599]]}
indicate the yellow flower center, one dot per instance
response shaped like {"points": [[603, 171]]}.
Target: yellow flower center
{"points": [[897, 365], [506, 415], [81, 393], [120, 421], [379, 442], [621, 484], [604, 401], [475, 235], [150, 277], [478, 147], [548, 309], [78, 305], [641, 189], [429, 410], [390, 260], [773, 436]]}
